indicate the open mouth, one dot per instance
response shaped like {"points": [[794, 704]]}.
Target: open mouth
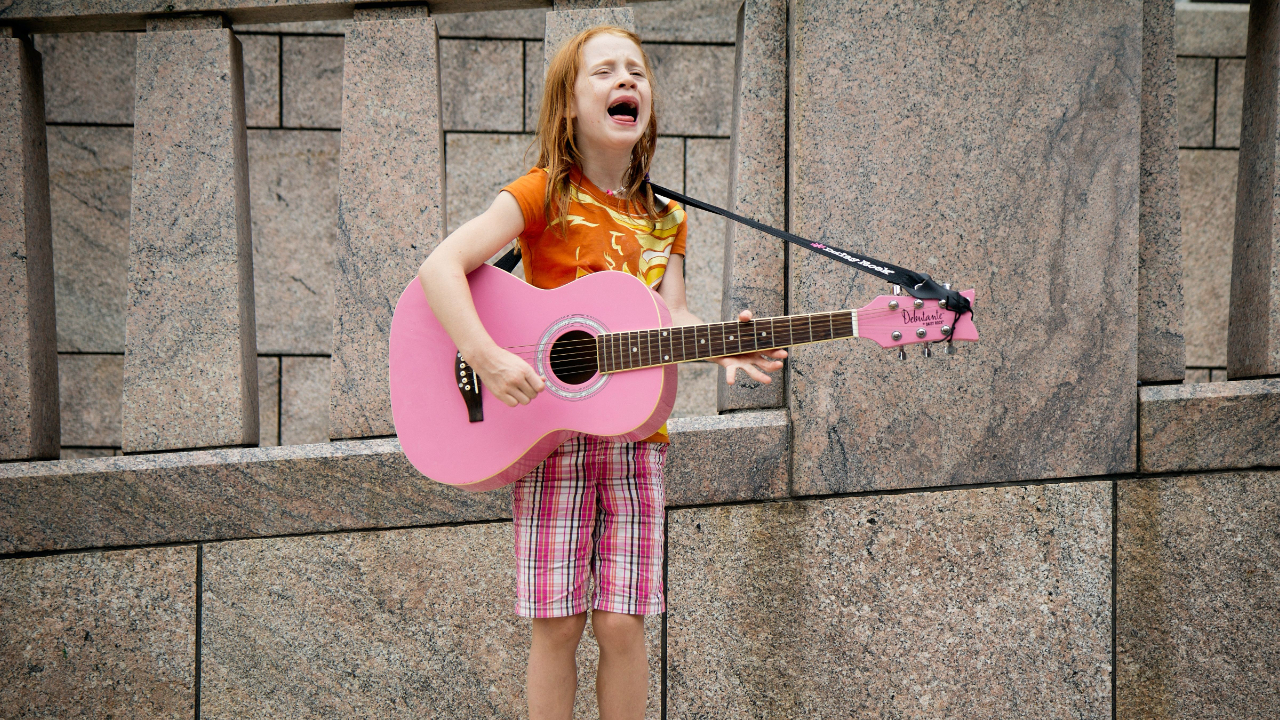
{"points": [[624, 109]]}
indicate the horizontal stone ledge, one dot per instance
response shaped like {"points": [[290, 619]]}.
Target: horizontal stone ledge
{"points": [[1209, 426], [356, 485]]}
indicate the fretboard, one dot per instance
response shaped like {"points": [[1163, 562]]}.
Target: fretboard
{"points": [[663, 346]]}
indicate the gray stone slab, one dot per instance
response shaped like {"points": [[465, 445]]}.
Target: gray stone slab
{"points": [[668, 166], [693, 107], [1208, 180], [727, 458], [755, 263], [90, 173], [312, 92], [1212, 29], [1230, 103], [1209, 426], [534, 79], [1195, 101], [506, 24], [28, 336], [706, 172], [99, 634], [223, 494], [190, 360], [306, 27], [293, 186], [269, 401], [696, 390], [480, 85], [563, 24], [304, 400], [1196, 375], [1218, 375], [261, 80], [710, 21], [894, 606], [390, 206], [1253, 335], [1161, 344], [88, 77], [89, 390], [478, 166], [930, 163], [1197, 615], [396, 624]]}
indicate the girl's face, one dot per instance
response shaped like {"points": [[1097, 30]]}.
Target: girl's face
{"points": [[612, 98]]}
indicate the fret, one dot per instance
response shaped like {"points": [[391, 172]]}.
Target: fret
{"points": [[684, 351], [600, 359], [701, 348], [633, 349], [717, 340], [664, 352], [646, 348], [830, 326], [809, 318], [735, 337]]}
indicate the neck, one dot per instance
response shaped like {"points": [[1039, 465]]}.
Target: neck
{"points": [[605, 168]]}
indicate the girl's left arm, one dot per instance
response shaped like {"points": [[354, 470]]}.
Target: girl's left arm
{"points": [[755, 365]]}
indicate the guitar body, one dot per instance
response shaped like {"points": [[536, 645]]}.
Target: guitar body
{"points": [[431, 415]]}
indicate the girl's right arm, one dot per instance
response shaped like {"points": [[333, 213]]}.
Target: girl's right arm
{"points": [[443, 276]]}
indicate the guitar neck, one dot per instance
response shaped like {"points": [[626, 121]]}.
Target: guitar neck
{"points": [[686, 343]]}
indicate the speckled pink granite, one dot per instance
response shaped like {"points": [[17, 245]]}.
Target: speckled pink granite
{"points": [[191, 364], [390, 206], [569, 20], [1210, 426]]}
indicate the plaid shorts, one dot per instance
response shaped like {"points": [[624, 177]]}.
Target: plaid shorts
{"points": [[594, 509]]}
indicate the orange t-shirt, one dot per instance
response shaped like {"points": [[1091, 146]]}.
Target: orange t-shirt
{"points": [[603, 233]]}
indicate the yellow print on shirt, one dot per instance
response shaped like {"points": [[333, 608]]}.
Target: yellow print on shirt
{"points": [[654, 243]]}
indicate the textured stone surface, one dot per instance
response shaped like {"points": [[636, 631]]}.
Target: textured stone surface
{"points": [[293, 185], [1217, 29], [390, 206], [562, 25], [28, 336], [479, 166], [1195, 102], [88, 77], [706, 173], [1196, 375], [389, 624], [696, 393], [99, 634], [1161, 345], [304, 400], [89, 391], [1197, 615], [1230, 103], [755, 263], [81, 453], [668, 166], [261, 80], [727, 458], [306, 27], [1253, 334], [534, 78], [687, 20], [1209, 426], [269, 401], [894, 606], [222, 494], [694, 86], [510, 24], [312, 69], [937, 166], [479, 83], [1208, 225], [190, 360], [89, 180]]}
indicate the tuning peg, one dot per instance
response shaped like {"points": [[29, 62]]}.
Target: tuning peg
{"points": [[902, 354], [928, 352], [950, 349], [946, 285], [897, 289]]}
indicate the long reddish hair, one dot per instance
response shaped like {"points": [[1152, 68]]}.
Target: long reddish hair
{"points": [[557, 148]]}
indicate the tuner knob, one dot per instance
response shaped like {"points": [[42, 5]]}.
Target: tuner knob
{"points": [[949, 349], [902, 354], [918, 303], [921, 332], [927, 352], [896, 335], [897, 289], [946, 329], [893, 304]]}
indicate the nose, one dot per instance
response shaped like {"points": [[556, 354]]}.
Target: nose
{"points": [[626, 81]]}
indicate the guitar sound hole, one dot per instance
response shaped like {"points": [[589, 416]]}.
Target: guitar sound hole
{"points": [[573, 357]]}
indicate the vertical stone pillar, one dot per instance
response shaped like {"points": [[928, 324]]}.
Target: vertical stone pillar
{"points": [[390, 202], [1253, 331], [1161, 348], [755, 263], [571, 18], [28, 341], [191, 368]]}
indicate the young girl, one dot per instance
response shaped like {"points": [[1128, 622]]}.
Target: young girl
{"points": [[594, 509]]}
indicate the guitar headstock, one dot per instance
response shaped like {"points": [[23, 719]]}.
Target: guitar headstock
{"points": [[896, 320]]}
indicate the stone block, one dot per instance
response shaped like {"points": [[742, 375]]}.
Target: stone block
{"points": [[90, 172], [692, 21], [28, 336], [1217, 375], [479, 165], [1253, 326], [1214, 30], [696, 391], [99, 634], [563, 24], [685, 107], [1208, 185], [304, 400], [728, 458], [1161, 345], [1197, 614], [535, 75], [304, 27], [293, 186], [894, 606], [220, 494], [479, 83], [506, 24], [390, 206], [1230, 103], [879, 151], [755, 263], [88, 77], [312, 92], [1196, 375], [706, 172], [1209, 426], [668, 166], [81, 453], [90, 389], [1195, 101], [191, 362], [261, 80], [269, 401]]}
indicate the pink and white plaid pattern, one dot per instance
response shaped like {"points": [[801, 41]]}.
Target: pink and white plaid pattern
{"points": [[592, 509]]}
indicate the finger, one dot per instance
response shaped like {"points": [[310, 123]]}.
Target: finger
{"points": [[730, 373], [756, 375], [744, 316]]}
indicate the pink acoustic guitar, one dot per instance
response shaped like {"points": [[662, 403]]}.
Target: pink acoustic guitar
{"points": [[606, 350]]}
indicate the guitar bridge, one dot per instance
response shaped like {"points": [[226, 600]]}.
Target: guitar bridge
{"points": [[469, 386]]}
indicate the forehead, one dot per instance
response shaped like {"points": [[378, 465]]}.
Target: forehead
{"points": [[608, 47]]}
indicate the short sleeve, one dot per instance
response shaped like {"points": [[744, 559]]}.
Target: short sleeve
{"points": [[681, 232], [530, 191]]}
